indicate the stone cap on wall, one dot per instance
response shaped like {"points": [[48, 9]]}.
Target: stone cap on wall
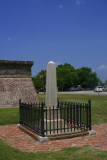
{"points": [[16, 62], [11, 68]]}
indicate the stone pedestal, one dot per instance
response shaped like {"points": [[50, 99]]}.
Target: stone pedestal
{"points": [[53, 121], [53, 126]]}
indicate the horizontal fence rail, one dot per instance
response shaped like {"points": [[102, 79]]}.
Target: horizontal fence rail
{"points": [[66, 118]]}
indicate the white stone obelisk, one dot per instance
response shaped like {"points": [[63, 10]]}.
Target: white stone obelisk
{"points": [[51, 85], [52, 118]]}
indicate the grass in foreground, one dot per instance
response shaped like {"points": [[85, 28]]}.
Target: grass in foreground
{"points": [[98, 103], [75, 153], [99, 108], [9, 116], [99, 112]]}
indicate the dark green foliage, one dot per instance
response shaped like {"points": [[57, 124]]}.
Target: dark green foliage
{"points": [[39, 80], [68, 76], [87, 78]]}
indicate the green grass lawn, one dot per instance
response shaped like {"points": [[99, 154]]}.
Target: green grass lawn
{"points": [[99, 108], [74, 153], [99, 115], [98, 103], [9, 116]]}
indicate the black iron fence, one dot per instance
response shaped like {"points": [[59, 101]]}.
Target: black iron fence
{"points": [[66, 118]]}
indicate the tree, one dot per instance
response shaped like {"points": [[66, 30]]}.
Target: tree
{"points": [[68, 76], [105, 82], [65, 76], [42, 76], [87, 78], [40, 80], [100, 83]]}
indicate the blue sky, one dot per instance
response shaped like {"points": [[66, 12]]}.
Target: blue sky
{"points": [[64, 31]]}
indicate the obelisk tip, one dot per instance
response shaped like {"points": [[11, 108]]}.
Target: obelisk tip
{"points": [[51, 62]]}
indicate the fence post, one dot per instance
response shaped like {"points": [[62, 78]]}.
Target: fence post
{"points": [[87, 115], [20, 111], [42, 120], [77, 115], [89, 102], [74, 116], [57, 103]]}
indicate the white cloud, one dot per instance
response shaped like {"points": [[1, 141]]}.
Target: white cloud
{"points": [[102, 67], [60, 6], [78, 2], [9, 38]]}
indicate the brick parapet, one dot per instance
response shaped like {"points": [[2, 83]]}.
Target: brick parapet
{"points": [[16, 83], [13, 89], [15, 68]]}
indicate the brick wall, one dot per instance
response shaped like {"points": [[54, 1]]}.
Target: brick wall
{"points": [[16, 83]]}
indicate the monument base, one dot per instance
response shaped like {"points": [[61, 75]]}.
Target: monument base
{"points": [[53, 127], [52, 138], [57, 128]]}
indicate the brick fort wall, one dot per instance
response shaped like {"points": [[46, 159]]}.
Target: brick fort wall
{"points": [[16, 83]]}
